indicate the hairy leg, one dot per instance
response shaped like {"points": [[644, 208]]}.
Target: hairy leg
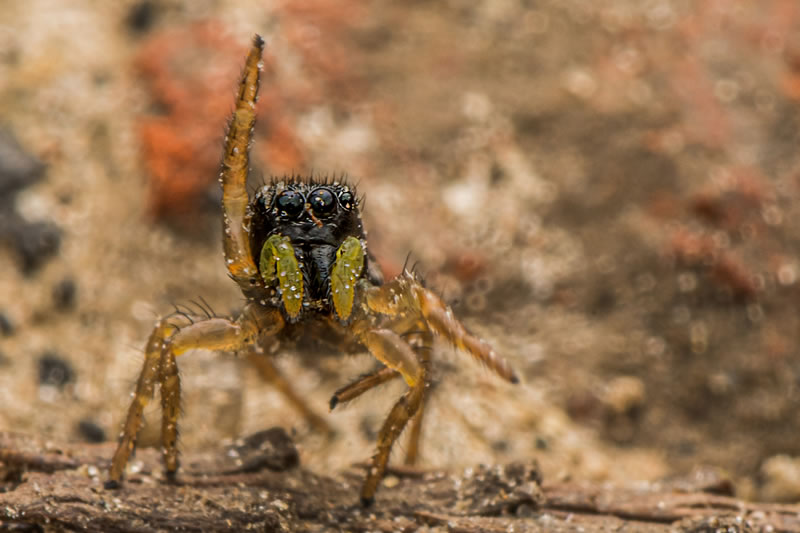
{"points": [[145, 387], [170, 411], [393, 351], [384, 374], [415, 433], [233, 177], [406, 295], [165, 343], [362, 384], [405, 409]]}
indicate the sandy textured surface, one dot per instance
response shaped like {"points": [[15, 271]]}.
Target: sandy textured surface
{"points": [[606, 194]]}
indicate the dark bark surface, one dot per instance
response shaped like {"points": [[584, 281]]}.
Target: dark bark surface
{"points": [[258, 484]]}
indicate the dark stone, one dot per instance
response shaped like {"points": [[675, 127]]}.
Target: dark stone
{"points": [[6, 326], [55, 370], [500, 446], [35, 243], [272, 449], [64, 294], [90, 431], [141, 16], [18, 168]]}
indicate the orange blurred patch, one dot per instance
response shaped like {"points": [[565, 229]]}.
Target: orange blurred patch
{"points": [[191, 73], [696, 250]]}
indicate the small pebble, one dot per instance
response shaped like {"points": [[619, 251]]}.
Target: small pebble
{"points": [[6, 326], [141, 16], [18, 168], [500, 446], [55, 370], [90, 431], [64, 294], [367, 427], [35, 244]]}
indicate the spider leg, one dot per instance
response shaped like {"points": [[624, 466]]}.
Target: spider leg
{"points": [[270, 373], [233, 177], [141, 397], [370, 380], [415, 433], [406, 301], [164, 345], [380, 376], [362, 384], [394, 352], [405, 295]]}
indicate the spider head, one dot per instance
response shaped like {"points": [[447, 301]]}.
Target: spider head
{"points": [[315, 216], [309, 213]]}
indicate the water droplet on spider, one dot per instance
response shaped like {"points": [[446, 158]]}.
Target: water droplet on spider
{"points": [[283, 273], [346, 285], [229, 261]]}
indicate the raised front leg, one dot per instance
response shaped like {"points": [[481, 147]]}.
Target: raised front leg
{"points": [[166, 342], [233, 177]]}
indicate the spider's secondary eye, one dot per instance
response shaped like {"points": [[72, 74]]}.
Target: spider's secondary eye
{"points": [[290, 202], [346, 199], [322, 201]]}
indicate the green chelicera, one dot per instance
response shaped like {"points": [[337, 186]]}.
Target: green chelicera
{"points": [[278, 262], [346, 270]]}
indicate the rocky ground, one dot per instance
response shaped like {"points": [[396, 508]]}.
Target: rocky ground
{"points": [[604, 191]]}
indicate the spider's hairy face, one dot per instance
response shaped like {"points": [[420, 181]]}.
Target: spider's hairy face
{"points": [[299, 228]]}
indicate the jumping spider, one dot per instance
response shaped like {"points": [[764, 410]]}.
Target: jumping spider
{"points": [[299, 254]]}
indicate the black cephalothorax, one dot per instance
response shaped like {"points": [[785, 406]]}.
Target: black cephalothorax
{"points": [[316, 218]]}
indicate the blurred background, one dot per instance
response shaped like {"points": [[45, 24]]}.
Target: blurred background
{"points": [[606, 191]]}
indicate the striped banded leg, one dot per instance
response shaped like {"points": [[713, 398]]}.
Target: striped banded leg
{"points": [[165, 344]]}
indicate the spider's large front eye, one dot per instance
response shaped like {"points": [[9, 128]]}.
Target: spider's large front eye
{"points": [[290, 203], [322, 201]]}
